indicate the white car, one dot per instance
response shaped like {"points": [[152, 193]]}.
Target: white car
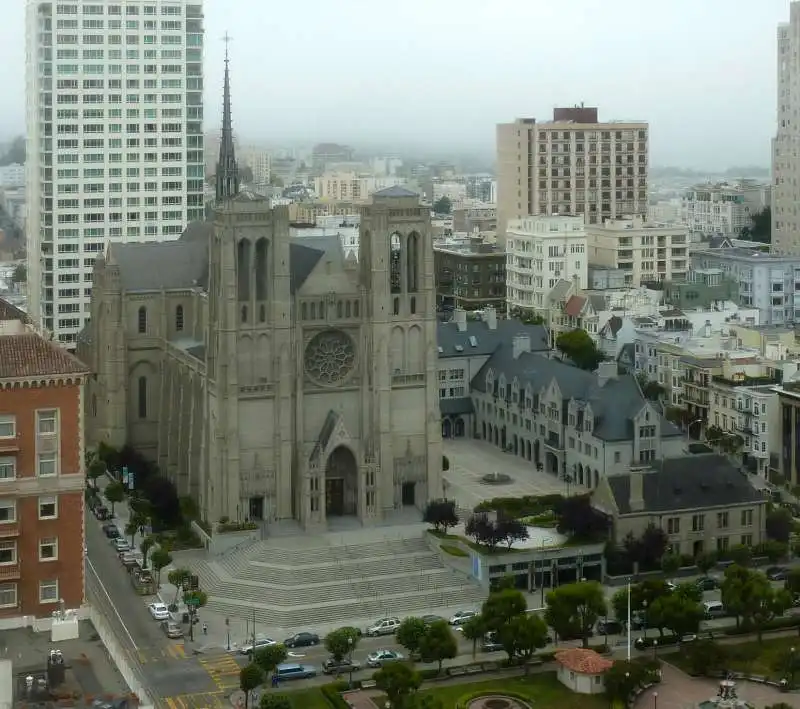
{"points": [[159, 611], [381, 657], [120, 544], [261, 642], [462, 617]]}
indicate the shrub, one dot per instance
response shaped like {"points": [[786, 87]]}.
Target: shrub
{"points": [[775, 624], [332, 692], [222, 528]]}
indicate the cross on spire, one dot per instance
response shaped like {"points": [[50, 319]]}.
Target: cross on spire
{"points": [[227, 169], [227, 39]]}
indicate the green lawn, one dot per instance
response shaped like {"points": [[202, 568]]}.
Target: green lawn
{"points": [[542, 689], [453, 550], [311, 698], [769, 658]]}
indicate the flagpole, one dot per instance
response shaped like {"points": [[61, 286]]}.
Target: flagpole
{"points": [[629, 620]]}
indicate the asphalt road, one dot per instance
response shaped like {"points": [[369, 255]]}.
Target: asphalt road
{"points": [[168, 667]]}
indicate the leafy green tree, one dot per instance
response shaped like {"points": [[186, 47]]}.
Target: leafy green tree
{"points": [[573, 609], [178, 578], [741, 555], [441, 514], [160, 559], [410, 633], [522, 636], [341, 642], [765, 603], [775, 550], [622, 679], [792, 582], [443, 205], [580, 348], [96, 470], [704, 656], [275, 701], [398, 681], [269, 657], [706, 561], [670, 563], [779, 524], [250, 678], [473, 630], [682, 615], [437, 643], [115, 492], [145, 546], [501, 607]]}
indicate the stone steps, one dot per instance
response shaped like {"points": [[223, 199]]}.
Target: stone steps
{"points": [[291, 617], [329, 554]]}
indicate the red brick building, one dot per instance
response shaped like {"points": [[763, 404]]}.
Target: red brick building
{"points": [[41, 473]]}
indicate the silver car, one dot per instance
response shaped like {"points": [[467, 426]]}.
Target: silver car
{"points": [[384, 626]]}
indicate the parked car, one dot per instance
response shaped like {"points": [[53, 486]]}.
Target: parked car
{"points": [[338, 667], [159, 611], [777, 573], [261, 641], [302, 640], [462, 617], [431, 619], [111, 531], [707, 583], [490, 643], [171, 629], [102, 512], [609, 627], [295, 671], [713, 609], [384, 626], [671, 585], [381, 657], [120, 544]]}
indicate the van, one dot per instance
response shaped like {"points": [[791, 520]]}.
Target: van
{"points": [[713, 609]]}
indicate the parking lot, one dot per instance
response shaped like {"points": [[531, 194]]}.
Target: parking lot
{"points": [[471, 459]]}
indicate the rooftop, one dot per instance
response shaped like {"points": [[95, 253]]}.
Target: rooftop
{"points": [[12, 312], [583, 661], [30, 355], [478, 339]]}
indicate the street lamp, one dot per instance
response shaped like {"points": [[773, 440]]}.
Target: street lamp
{"points": [[793, 656], [644, 619], [655, 700], [228, 628], [655, 648], [350, 659]]}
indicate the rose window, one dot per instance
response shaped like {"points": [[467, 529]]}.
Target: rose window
{"points": [[330, 357]]}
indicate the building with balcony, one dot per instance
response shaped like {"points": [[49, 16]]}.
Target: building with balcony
{"points": [[702, 502], [574, 164], [788, 429], [767, 281], [723, 208], [42, 476], [541, 251], [646, 252], [351, 186], [703, 288], [470, 274]]}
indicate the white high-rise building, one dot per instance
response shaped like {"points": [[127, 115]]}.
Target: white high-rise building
{"points": [[115, 139], [785, 159]]}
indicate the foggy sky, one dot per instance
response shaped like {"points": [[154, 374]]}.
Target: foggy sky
{"points": [[444, 72]]}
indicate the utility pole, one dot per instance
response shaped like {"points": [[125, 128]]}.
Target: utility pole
{"points": [[254, 631]]}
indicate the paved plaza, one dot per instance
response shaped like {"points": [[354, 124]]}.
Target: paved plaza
{"points": [[678, 690], [471, 459]]}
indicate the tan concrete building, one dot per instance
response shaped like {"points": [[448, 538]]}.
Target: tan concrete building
{"points": [[270, 377], [645, 251], [573, 164], [702, 502]]}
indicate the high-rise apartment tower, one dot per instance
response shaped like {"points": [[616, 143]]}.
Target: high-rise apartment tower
{"points": [[115, 139], [572, 165]]}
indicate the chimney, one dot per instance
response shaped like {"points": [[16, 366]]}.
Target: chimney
{"points": [[606, 372], [707, 329], [521, 343], [490, 316], [460, 319], [636, 501]]}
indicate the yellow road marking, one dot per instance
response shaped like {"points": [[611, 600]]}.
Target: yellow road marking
{"points": [[176, 650], [223, 670], [200, 700], [171, 703]]}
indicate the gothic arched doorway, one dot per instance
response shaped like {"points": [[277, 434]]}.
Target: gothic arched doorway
{"points": [[460, 428], [341, 483], [447, 429]]}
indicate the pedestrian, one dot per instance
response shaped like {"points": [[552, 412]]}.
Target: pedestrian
{"points": [[275, 680], [205, 628]]}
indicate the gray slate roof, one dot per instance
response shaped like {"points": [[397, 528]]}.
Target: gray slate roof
{"points": [[183, 264], [457, 405], [690, 482], [486, 340], [614, 404], [395, 191]]}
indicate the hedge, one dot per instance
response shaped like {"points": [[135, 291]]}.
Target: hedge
{"points": [[332, 692], [776, 624]]}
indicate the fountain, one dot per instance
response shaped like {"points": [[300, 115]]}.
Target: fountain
{"points": [[726, 698], [496, 478]]}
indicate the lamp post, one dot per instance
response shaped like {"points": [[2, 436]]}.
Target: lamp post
{"points": [[644, 619], [228, 629], [655, 648], [350, 659], [629, 621], [793, 656], [655, 700]]}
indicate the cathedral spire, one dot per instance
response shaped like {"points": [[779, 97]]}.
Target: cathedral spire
{"points": [[227, 169]]}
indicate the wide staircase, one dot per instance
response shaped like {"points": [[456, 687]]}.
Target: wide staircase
{"points": [[333, 580]]}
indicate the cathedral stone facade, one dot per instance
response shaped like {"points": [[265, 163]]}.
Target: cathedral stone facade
{"points": [[269, 377]]}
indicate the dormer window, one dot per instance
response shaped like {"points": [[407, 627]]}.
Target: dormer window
{"points": [[490, 381]]}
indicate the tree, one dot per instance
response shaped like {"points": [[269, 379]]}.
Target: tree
{"points": [[96, 469], [765, 603], [760, 228], [511, 530], [573, 609], [706, 561], [250, 678], [443, 205], [437, 643], [178, 578], [621, 679], [792, 582], [473, 630], [680, 614], [341, 642], [522, 636], [775, 551], [269, 657], [741, 555], [398, 681], [441, 514], [670, 563], [580, 348], [779, 524], [145, 546], [275, 701], [115, 492], [501, 607], [483, 531], [705, 656], [20, 274], [410, 633], [159, 559], [132, 529]]}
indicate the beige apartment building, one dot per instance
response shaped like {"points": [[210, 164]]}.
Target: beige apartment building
{"points": [[645, 251], [573, 164]]}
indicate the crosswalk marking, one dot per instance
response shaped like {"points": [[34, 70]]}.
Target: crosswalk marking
{"points": [[175, 651], [223, 670], [199, 700]]}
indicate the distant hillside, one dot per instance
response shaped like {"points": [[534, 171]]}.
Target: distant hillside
{"points": [[731, 172]]}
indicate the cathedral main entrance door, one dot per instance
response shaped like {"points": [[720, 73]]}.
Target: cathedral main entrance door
{"points": [[341, 483]]}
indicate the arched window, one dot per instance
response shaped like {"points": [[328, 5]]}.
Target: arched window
{"points": [[303, 311], [262, 313], [179, 318], [339, 309], [244, 313], [142, 397], [313, 311], [262, 251], [321, 309], [243, 269], [413, 305], [412, 261], [395, 283], [396, 306], [356, 308], [94, 404], [142, 321], [347, 309]]}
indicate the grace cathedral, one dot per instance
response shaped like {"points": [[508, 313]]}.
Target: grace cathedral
{"points": [[270, 377]]}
